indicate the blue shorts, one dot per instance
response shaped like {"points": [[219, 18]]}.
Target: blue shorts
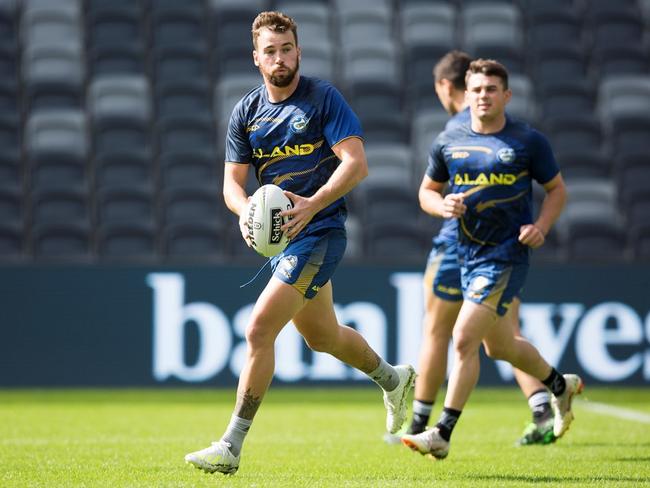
{"points": [[310, 261], [442, 273], [493, 284]]}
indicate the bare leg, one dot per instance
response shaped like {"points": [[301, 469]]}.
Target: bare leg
{"points": [[438, 324], [527, 383], [500, 343], [275, 306], [318, 324], [474, 322], [266, 322]]}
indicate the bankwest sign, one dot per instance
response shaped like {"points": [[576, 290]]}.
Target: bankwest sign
{"points": [[114, 326], [552, 327]]}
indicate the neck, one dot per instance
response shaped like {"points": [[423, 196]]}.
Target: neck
{"points": [[488, 126], [458, 103], [278, 94]]}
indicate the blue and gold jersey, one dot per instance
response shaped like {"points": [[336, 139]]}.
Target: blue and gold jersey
{"points": [[495, 172], [449, 231], [289, 143]]}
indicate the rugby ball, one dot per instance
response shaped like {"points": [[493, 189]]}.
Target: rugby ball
{"points": [[264, 220]]}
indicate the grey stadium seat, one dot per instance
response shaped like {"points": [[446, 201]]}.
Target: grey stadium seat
{"points": [[122, 169], [371, 61], [314, 21], [62, 131], [493, 24], [192, 167], [54, 168], [53, 75], [125, 204], [61, 204], [183, 97], [433, 23], [192, 241], [318, 60], [51, 24], [115, 26], [62, 241], [365, 27], [127, 241], [118, 96]]}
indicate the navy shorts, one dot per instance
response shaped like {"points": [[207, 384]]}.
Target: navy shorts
{"points": [[309, 262], [493, 284], [442, 273]]}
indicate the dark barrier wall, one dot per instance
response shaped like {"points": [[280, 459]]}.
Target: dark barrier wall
{"points": [[93, 325]]}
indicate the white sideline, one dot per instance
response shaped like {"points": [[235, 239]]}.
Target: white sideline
{"points": [[619, 412]]}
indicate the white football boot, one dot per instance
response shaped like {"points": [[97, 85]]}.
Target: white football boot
{"points": [[215, 458], [396, 401], [427, 442], [562, 404]]}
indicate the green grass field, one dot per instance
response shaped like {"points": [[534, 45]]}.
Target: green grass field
{"points": [[306, 438]]}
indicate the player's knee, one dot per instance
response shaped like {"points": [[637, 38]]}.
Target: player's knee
{"points": [[464, 346], [258, 337]]}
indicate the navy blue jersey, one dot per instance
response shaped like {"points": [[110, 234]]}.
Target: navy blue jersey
{"points": [[449, 231], [495, 172], [289, 142], [460, 118]]}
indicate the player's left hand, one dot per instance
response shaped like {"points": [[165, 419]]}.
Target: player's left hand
{"points": [[299, 216], [243, 225], [530, 235]]}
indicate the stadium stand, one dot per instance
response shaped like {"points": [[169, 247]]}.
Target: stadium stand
{"points": [[122, 169], [127, 241], [113, 108], [409, 239]]}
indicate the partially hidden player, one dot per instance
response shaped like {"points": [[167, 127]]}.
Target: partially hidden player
{"points": [[490, 164], [443, 294]]}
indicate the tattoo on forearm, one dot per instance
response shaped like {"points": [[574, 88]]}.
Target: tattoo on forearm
{"points": [[247, 405]]}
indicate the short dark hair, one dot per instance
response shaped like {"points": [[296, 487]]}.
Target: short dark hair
{"points": [[452, 66], [488, 67], [276, 21]]}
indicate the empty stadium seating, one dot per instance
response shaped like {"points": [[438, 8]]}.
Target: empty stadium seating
{"points": [[112, 111]]}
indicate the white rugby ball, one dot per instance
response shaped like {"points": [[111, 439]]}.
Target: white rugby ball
{"points": [[264, 220]]}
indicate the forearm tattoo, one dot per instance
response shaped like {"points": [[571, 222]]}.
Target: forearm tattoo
{"points": [[247, 405]]}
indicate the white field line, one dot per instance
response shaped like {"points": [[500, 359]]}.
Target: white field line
{"points": [[612, 411]]}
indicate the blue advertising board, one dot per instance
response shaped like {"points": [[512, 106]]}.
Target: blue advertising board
{"points": [[161, 326]]}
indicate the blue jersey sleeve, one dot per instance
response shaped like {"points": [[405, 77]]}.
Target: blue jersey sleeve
{"points": [[339, 121], [437, 169], [238, 148], [543, 166]]}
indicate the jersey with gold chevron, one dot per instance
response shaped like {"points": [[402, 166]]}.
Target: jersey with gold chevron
{"points": [[449, 231], [289, 143], [495, 172]]}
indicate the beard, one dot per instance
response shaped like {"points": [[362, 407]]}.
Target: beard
{"points": [[284, 80]]}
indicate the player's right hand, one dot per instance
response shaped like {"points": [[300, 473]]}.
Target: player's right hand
{"points": [[453, 205]]}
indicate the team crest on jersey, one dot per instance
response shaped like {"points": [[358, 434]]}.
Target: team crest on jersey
{"points": [[506, 155], [286, 265], [298, 123]]}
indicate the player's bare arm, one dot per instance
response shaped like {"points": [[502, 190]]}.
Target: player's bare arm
{"points": [[234, 193], [534, 235], [353, 169], [434, 203]]}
